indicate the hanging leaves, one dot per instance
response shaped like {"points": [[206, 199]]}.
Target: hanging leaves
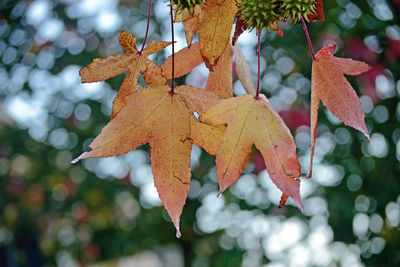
{"points": [[329, 85], [249, 121], [163, 116], [132, 60], [155, 115]]}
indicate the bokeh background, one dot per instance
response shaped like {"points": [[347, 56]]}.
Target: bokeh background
{"points": [[106, 212]]}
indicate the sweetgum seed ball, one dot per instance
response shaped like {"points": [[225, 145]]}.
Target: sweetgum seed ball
{"points": [[293, 9], [259, 14], [189, 4]]}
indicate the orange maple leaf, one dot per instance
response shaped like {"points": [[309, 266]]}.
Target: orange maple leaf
{"points": [[243, 71], [249, 121], [132, 60], [191, 23], [185, 60], [329, 84], [153, 114], [215, 29], [220, 79]]}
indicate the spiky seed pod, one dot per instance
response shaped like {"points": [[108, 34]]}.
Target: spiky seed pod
{"points": [[259, 14], [293, 9], [189, 4]]}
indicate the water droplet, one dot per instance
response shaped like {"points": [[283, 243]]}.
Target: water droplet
{"points": [[178, 233], [78, 158]]}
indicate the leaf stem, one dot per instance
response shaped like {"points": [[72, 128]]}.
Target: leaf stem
{"points": [[308, 38], [259, 59], [173, 51], [147, 28]]}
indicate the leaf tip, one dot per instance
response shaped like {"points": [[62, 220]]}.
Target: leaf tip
{"points": [[82, 156], [300, 206], [366, 134], [175, 221], [178, 233], [284, 197], [221, 190], [309, 174]]}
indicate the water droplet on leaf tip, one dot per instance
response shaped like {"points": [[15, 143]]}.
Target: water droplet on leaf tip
{"points": [[78, 158], [178, 234]]}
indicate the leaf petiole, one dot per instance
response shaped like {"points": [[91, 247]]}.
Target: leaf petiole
{"points": [[147, 28], [308, 38], [259, 59], [173, 51]]}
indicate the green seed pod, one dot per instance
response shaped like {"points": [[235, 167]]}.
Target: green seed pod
{"points": [[259, 14], [293, 9], [189, 4]]}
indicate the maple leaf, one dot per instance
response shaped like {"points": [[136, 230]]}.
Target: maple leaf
{"points": [[132, 60], [215, 29], [329, 84], [191, 23], [243, 71], [220, 79], [249, 121], [185, 60], [153, 74], [153, 114]]}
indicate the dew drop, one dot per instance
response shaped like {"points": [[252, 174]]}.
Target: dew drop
{"points": [[178, 234], [78, 158]]}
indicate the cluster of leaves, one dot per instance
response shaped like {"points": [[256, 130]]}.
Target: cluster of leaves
{"points": [[227, 126]]}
